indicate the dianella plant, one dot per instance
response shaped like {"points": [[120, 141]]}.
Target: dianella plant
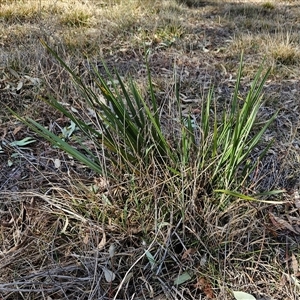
{"points": [[126, 130]]}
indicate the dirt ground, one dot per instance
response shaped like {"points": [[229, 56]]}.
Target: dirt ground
{"points": [[50, 238]]}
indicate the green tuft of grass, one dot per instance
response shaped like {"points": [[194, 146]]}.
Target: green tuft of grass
{"points": [[127, 133]]}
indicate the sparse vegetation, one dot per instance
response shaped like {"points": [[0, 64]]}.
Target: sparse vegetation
{"points": [[166, 172]]}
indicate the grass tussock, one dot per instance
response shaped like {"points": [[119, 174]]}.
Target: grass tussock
{"points": [[168, 183], [28, 11], [268, 5], [286, 53], [172, 177], [78, 18], [133, 133]]}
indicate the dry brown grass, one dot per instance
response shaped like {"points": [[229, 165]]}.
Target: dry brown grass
{"points": [[58, 238]]}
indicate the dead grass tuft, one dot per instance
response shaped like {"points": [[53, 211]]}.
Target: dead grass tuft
{"points": [[268, 5], [78, 18], [286, 54]]}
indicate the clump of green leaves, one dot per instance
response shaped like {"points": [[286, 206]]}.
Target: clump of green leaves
{"points": [[129, 133]]}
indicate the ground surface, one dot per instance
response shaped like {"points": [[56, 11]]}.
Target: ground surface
{"points": [[59, 240]]}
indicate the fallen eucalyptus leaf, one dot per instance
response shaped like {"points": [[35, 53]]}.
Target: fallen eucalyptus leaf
{"points": [[109, 275], [182, 278], [242, 296], [24, 142], [151, 259]]}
